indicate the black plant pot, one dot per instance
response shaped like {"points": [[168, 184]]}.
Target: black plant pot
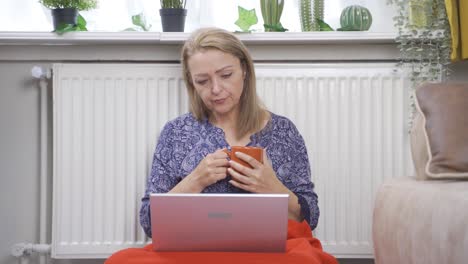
{"points": [[173, 19], [66, 16]]}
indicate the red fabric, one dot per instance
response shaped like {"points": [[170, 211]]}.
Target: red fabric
{"points": [[301, 247]]}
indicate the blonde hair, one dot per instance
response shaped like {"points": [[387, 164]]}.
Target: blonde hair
{"points": [[253, 113]]}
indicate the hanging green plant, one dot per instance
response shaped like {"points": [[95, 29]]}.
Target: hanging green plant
{"points": [[424, 47]]}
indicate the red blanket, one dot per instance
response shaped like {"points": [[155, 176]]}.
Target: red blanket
{"points": [[301, 247]]}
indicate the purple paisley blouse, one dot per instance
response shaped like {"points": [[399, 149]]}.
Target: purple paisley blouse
{"points": [[184, 142]]}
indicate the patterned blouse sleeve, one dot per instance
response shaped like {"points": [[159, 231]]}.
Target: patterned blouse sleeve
{"points": [[162, 178], [304, 189], [296, 173]]}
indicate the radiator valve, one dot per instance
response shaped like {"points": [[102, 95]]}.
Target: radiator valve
{"points": [[25, 249], [39, 72]]}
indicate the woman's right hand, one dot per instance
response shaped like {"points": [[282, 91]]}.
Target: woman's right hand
{"points": [[210, 170]]}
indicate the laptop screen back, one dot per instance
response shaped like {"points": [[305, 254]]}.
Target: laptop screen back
{"points": [[219, 222]]}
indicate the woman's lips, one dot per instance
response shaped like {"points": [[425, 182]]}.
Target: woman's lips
{"points": [[219, 101]]}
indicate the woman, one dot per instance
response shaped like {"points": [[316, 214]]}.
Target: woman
{"points": [[225, 111]]}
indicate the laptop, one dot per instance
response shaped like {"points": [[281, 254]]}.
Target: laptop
{"points": [[219, 222]]}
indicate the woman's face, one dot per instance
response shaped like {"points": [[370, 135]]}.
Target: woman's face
{"points": [[218, 79]]}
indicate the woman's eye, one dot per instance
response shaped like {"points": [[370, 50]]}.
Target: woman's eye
{"points": [[227, 75], [201, 82]]}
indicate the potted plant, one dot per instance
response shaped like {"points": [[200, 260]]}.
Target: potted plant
{"points": [[173, 15], [271, 13], [65, 12], [310, 13], [355, 18]]}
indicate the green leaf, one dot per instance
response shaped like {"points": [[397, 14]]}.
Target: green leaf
{"points": [[137, 20], [80, 21], [63, 28], [277, 27], [348, 28], [323, 26], [247, 18], [80, 5], [140, 21], [80, 26]]}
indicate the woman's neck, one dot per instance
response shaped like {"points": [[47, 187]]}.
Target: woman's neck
{"points": [[227, 122]]}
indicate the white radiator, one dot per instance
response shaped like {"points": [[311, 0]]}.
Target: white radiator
{"points": [[107, 118]]}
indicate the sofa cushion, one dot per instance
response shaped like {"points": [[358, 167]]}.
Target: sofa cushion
{"points": [[439, 136]]}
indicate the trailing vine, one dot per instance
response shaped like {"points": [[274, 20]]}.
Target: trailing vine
{"points": [[424, 41]]}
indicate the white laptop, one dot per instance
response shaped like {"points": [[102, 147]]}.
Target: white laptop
{"points": [[219, 222]]}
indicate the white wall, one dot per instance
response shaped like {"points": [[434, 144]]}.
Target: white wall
{"points": [[19, 154], [19, 159]]}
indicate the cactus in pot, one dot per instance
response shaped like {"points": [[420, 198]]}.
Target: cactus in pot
{"points": [[271, 13], [355, 18], [310, 13]]}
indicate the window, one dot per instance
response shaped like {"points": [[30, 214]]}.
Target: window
{"points": [[115, 15]]}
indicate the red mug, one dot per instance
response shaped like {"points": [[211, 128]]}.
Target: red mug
{"points": [[255, 152]]}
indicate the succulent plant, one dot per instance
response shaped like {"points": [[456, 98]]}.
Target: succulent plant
{"points": [[306, 15], [355, 18], [173, 3], [310, 15], [80, 5], [318, 13], [271, 13]]}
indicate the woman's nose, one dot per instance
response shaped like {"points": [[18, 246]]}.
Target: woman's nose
{"points": [[216, 87]]}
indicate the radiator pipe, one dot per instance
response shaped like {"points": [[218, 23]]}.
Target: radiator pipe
{"points": [[24, 260], [43, 228], [24, 250]]}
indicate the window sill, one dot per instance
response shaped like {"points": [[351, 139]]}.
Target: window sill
{"points": [[131, 38], [165, 47]]}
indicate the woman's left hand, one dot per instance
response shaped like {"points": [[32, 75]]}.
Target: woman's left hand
{"points": [[261, 178]]}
